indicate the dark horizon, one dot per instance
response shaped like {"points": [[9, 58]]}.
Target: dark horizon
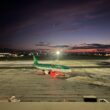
{"points": [[44, 46], [57, 22]]}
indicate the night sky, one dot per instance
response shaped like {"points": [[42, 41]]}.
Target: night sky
{"points": [[23, 23]]}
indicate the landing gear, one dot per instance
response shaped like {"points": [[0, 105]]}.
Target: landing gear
{"points": [[45, 72]]}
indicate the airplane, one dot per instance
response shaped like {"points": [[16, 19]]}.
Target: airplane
{"points": [[47, 67]]}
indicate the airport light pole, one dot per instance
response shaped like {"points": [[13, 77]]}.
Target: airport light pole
{"points": [[57, 53]]}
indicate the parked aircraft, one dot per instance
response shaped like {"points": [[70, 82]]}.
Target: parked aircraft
{"points": [[48, 67]]}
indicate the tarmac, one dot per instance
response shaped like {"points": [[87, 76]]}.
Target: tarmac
{"points": [[22, 80]]}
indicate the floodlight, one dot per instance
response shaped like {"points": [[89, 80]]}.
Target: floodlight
{"points": [[57, 52]]}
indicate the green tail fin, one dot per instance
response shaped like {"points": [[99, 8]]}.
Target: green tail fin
{"points": [[35, 59]]}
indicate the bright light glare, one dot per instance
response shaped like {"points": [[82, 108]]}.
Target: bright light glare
{"points": [[58, 52]]}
